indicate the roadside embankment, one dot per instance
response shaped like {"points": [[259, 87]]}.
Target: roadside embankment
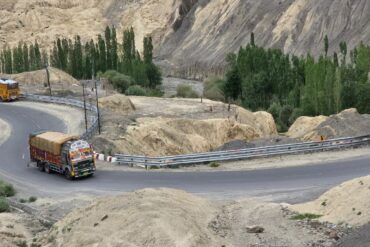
{"points": [[344, 124], [346, 203], [168, 217]]}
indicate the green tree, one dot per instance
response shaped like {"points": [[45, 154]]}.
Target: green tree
{"points": [[233, 85], [108, 42], [326, 45]]}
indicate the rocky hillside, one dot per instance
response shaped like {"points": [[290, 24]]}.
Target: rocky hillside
{"points": [[204, 30]]}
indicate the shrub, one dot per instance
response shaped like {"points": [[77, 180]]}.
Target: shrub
{"points": [[214, 164], [22, 200], [22, 243], [186, 91], [154, 93], [284, 115], [32, 199], [6, 189], [274, 109], [136, 90], [213, 89], [119, 81], [297, 112], [4, 206], [306, 216]]}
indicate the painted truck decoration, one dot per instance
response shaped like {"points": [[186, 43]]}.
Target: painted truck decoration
{"points": [[62, 153], [9, 90]]}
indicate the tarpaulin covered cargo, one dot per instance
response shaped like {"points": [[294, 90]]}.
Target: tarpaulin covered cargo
{"points": [[50, 141]]}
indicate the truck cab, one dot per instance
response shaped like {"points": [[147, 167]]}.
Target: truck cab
{"points": [[9, 90], [79, 157]]}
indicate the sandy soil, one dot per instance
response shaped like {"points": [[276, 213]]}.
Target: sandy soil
{"points": [[167, 217], [346, 203], [5, 131], [16, 227], [169, 126], [73, 117]]}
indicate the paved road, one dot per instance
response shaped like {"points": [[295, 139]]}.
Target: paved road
{"points": [[291, 184]]}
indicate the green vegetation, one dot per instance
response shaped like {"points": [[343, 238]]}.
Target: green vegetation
{"points": [[306, 216], [289, 86], [121, 64], [22, 200], [6, 190], [32, 199], [136, 90], [186, 91], [22, 243], [214, 164], [4, 206], [213, 89]]}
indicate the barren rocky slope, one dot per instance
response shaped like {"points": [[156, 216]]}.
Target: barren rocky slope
{"points": [[204, 30], [344, 124], [167, 217]]}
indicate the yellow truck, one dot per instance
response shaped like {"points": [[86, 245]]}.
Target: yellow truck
{"points": [[9, 90], [62, 153]]}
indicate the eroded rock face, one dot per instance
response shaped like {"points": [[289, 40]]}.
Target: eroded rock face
{"points": [[193, 32], [344, 124]]}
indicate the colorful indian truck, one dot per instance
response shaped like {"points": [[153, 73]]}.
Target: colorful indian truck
{"points": [[9, 90], [62, 153]]}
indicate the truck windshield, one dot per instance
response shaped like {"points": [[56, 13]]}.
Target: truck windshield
{"points": [[81, 155], [12, 86]]}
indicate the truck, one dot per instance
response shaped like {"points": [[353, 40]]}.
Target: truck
{"points": [[9, 90], [62, 153]]}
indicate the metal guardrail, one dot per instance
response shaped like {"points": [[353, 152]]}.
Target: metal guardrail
{"points": [[70, 102], [199, 158], [240, 154]]}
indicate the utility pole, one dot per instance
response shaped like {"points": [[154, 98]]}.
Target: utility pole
{"points": [[48, 77], [83, 93], [97, 98]]}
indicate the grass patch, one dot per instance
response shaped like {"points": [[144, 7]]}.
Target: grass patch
{"points": [[32, 199], [22, 200], [214, 164], [186, 91], [306, 216], [154, 167], [6, 190], [4, 205], [22, 243]]}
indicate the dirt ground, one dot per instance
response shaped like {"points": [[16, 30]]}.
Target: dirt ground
{"points": [[347, 203], [5, 131], [16, 227], [176, 218], [168, 126]]}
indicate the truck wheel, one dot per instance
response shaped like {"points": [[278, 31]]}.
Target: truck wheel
{"points": [[47, 168], [68, 174], [40, 166]]}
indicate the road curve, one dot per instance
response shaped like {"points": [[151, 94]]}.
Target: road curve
{"points": [[291, 184]]}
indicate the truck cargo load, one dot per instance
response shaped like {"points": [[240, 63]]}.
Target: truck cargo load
{"points": [[62, 153], [9, 90]]}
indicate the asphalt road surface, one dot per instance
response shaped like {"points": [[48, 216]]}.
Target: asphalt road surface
{"points": [[293, 184]]}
